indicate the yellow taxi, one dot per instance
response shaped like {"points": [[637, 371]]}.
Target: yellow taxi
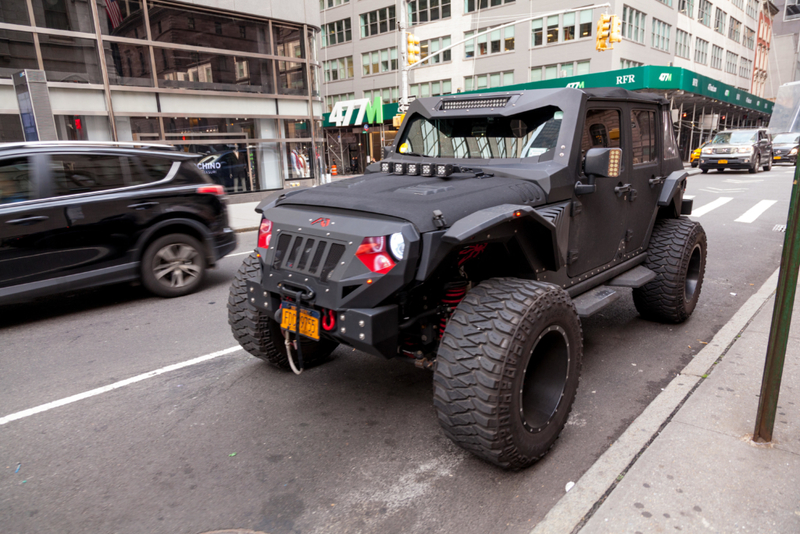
{"points": [[694, 158]]}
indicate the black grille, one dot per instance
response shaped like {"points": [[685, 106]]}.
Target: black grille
{"points": [[723, 151], [308, 255]]}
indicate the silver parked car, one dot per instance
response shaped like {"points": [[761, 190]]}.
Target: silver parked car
{"points": [[738, 149]]}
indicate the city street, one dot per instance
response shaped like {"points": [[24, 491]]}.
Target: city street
{"points": [[352, 445]]}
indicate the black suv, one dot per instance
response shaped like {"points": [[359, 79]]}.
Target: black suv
{"points": [[82, 214], [738, 149], [496, 222]]}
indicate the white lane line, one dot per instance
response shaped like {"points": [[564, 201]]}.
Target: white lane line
{"points": [[115, 385], [702, 210], [238, 254], [755, 212]]}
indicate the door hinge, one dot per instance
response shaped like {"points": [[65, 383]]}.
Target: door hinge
{"points": [[438, 219]]}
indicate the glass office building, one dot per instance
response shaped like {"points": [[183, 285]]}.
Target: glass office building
{"points": [[241, 89]]}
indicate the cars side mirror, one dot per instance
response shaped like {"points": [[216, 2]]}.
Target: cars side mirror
{"points": [[603, 162]]}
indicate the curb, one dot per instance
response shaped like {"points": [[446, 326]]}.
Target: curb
{"points": [[576, 507]]}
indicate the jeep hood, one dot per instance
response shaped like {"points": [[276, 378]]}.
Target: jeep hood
{"points": [[414, 198]]}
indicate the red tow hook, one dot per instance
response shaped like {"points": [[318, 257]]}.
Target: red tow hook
{"points": [[329, 321]]}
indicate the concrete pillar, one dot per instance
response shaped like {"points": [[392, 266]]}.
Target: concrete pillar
{"points": [[271, 172]]}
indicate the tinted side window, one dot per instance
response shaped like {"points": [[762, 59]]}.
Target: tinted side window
{"points": [[670, 146], [601, 129], [643, 136], [82, 173], [152, 170], [16, 184]]}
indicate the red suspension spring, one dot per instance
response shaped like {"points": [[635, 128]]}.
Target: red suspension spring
{"points": [[452, 296]]}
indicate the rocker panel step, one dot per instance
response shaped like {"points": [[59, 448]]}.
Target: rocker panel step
{"points": [[636, 277], [595, 300]]}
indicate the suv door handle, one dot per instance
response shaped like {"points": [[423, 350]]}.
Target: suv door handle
{"points": [[143, 205], [620, 189], [29, 220]]}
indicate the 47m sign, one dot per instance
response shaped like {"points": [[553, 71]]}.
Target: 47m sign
{"points": [[342, 112]]}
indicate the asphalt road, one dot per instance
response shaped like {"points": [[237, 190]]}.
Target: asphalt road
{"points": [[352, 445]]}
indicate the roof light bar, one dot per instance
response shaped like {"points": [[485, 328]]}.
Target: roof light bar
{"points": [[474, 103]]}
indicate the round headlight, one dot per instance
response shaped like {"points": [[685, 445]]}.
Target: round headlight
{"points": [[397, 245]]}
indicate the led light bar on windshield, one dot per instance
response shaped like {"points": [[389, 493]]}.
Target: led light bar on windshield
{"points": [[474, 103]]}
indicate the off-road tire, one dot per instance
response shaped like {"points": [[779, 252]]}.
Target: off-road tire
{"points": [[173, 265], [704, 171], [756, 165], [768, 166], [490, 398], [257, 332], [677, 254], [722, 169]]}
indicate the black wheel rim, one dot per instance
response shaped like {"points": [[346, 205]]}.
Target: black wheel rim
{"points": [[544, 379], [176, 265], [693, 274]]}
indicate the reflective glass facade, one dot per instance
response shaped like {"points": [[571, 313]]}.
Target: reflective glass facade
{"points": [[241, 90]]}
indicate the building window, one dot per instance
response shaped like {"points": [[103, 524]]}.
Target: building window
{"points": [[337, 32], [487, 81], [379, 61], [495, 42], [628, 64], [749, 38], [431, 46], [734, 29], [633, 24], [731, 61], [377, 22], [422, 11], [330, 100], [792, 10], [704, 13], [660, 36], [389, 95], [716, 57], [745, 68], [738, 3], [323, 4], [338, 69], [682, 44], [475, 5], [666, 2], [752, 8], [563, 28], [686, 7], [437, 88], [701, 51], [719, 21], [560, 70]]}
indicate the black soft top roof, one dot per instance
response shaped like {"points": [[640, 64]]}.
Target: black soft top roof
{"points": [[618, 93]]}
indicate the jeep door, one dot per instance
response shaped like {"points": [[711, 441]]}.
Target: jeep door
{"points": [[644, 163], [598, 225], [31, 228]]}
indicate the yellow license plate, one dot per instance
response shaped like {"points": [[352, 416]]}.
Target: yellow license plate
{"points": [[722, 161], [776, 157], [309, 321]]}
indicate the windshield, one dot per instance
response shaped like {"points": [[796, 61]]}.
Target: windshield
{"points": [[743, 137], [787, 139], [526, 135]]}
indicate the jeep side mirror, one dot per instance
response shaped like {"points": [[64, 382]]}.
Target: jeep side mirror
{"points": [[602, 162]]}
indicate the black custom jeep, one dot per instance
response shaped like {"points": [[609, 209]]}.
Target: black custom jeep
{"points": [[473, 249]]}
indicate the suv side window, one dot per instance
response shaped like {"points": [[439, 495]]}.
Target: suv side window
{"points": [[16, 184], [152, 170], [83, 173], [643, 138], [601, 129]]}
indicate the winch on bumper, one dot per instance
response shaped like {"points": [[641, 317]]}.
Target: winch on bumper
{"points": [[324, 268]]}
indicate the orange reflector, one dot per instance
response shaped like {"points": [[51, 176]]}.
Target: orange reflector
{"points": [[369, 281], [517, 213]]}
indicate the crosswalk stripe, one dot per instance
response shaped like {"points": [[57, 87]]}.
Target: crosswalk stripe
{"points": [[702, 210], [753, 213]]}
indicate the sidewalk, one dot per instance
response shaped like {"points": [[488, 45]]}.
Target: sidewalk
{"points": [[687, 464]]}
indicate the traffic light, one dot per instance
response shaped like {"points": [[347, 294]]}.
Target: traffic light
{"points": [[616, 30], [603, 33], [412, 48]]}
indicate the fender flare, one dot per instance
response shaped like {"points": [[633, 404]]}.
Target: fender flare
{"points": [[671, 196]]}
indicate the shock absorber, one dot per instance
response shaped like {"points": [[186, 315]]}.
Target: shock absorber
{"points": [[454, 293]]}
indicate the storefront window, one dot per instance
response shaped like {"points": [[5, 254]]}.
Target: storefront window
{"points": [[201, 129], [197, 70], [292, 78], [82, 128], [128, 64], [11, 129], [299, 161], [19, 52], [121, 18], [14, 13], [70, 59], [288, 41], [172, 25], [137, 128], [312, 43], [294, 129], [62, 15]]}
